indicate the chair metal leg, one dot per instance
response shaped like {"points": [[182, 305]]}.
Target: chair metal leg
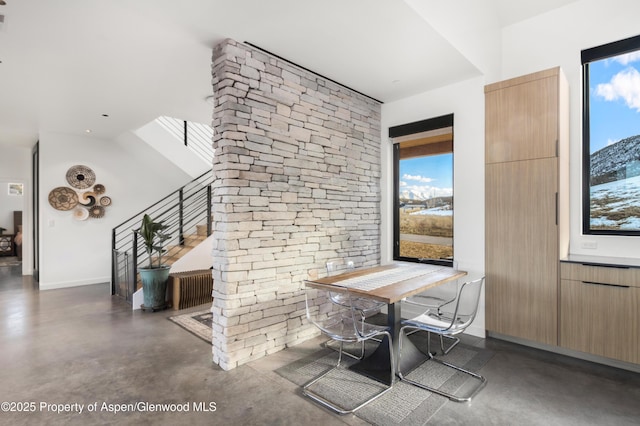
{"points": [[455, 342], [464, 398], [343, 410], [329, 344], [442, 337]]}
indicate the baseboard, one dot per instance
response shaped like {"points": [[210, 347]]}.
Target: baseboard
{"points": [[476, 331], [67, 284], [568, 352]]}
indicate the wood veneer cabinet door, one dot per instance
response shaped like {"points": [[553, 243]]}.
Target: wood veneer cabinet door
{"points": [[522, 249], [521, 117], [600, 319]]}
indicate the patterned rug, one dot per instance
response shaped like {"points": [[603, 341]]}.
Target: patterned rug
{"points": [[9, 261], [405, 404], [198, 323]]}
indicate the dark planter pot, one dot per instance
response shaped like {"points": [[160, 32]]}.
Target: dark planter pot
{"points": [[154, 287]]}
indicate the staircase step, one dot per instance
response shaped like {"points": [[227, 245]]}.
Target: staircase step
{"points": [[201, 230], [194, 240]]}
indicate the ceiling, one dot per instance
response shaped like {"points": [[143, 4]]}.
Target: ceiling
{"points": [[66, 64]]}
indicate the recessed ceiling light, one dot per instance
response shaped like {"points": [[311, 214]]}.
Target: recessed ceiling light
{"points": [[88, 131]]}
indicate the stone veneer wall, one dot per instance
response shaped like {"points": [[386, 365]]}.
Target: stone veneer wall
{"points": [[297, 168]]}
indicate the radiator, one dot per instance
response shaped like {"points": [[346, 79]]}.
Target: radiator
{"points": [[190, 288]]}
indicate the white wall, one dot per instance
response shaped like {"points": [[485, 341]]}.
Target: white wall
{"points": [[466, 101], [15, 167], [545, 41], [172, 148], [556, 39], [76, 252]]}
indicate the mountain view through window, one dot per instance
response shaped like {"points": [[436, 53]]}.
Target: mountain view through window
{"points": [[613, 136]]}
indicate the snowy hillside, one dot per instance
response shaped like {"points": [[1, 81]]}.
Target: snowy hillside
{"points": [[616, 205], [617, 161]]}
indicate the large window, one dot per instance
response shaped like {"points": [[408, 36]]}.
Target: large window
{"points": [[611, 138], [423, 190]]}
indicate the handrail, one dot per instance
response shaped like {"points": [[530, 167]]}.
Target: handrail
{"points": [[205, 175], [182, 211]]}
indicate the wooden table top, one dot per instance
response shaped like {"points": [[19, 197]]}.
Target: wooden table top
{"points": [[396, 289]]}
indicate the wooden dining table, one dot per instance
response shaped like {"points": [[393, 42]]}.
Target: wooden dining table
{"points": [[390, 284]]}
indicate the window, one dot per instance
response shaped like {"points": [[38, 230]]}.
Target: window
{"points": [[611, 138], [423, 190]]}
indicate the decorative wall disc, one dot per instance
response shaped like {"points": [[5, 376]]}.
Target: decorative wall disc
{"points": [[88, 198], [90, 203], [96, 212], [81, 177], [63, 198], [80, 213]]}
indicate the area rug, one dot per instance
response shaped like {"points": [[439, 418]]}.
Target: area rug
{"points": [[9, 261], [405, 404], [197, 323]]}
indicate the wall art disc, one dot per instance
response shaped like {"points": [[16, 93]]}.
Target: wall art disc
{"points": [[105, 201], [96, 212], [87, 199], [81, 177], [63, 198], [80, 213], [99, 189]]}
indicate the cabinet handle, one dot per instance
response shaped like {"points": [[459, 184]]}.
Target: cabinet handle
{"points": [[556, 209], [605, 284], [600, 265]]}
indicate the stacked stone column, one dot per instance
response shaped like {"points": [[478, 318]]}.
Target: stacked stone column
{"points": [[297, 183]]}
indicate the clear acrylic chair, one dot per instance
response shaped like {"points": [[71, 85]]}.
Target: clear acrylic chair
{"points": [[437, 299], [342, 324], [366, 307], [449, 320]]}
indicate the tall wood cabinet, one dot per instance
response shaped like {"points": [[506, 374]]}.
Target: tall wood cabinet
{"points": [[526, 203]]}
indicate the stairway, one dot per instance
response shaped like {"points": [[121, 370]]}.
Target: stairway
{"points": [[175, 252], [187, 214]]}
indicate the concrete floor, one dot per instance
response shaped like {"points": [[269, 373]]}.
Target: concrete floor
{"points": [[81, 346]]}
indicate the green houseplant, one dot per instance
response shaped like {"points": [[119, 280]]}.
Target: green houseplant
{"points": [[155, 277]]}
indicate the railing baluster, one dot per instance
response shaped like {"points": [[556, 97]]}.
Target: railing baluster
{"points": [[134, 281], [181, 213], [186, 137], [209, 220]]}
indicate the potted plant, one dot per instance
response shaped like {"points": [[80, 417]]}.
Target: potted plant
{"points": [[155, 277]]}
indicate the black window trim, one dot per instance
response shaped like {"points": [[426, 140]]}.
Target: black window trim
{"points": [[404, 130], [587, 56]]}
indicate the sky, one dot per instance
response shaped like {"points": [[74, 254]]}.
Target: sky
{"points": [[614, 99], [614, 102], [431, 176]]}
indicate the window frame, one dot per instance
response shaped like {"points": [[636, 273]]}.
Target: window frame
{"points": [[588, 56], [430, 124]]}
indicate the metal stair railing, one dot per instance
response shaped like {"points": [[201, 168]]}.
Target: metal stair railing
{"points": [[197, 137], [182, 211]]}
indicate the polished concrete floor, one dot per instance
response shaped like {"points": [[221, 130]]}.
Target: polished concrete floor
{"points": [[81, 346]]}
